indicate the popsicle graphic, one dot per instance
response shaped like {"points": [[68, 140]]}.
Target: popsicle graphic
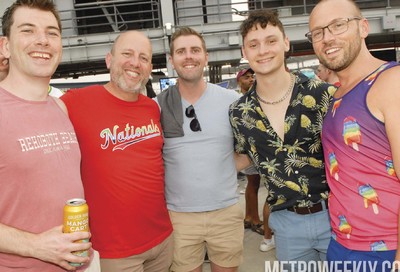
{"points": [[372, 77], [370, 196], [333, 166], [389, 166], [344, 226], [335, 106], [378, 246], [351, 132]]}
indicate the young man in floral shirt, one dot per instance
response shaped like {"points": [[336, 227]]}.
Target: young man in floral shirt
{"points": [[278, 124]]}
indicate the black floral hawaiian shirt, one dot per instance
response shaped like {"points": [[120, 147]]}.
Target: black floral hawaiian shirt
{"points": [[293, 169]]}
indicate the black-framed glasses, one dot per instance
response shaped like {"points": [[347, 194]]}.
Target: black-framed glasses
{"points": [[337, 27], [194, 124]]}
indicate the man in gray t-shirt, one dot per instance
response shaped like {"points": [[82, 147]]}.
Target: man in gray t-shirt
{"points": [[200, 172]]}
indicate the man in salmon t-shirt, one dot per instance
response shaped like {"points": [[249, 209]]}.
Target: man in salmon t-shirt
{"points": [[39, 152]]}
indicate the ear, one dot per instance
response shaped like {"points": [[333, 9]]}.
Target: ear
{"points": [[364, 28], [3, 61], [287, 44], [5, 47], [244, 53], [108, 60], [171, 61], [206, 59]]}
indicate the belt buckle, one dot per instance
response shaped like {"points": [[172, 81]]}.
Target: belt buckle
{"points": [[308, 209]]}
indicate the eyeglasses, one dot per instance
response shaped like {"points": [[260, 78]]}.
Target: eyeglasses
{"points": [[194, 124], [337, 27]]}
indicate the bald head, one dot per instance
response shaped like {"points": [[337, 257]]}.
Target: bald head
{"points": [[337, 46], [132, 36], [327, 10], [130, 65]]}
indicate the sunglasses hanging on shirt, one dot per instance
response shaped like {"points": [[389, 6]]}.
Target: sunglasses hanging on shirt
{"points": [[194, 124]]}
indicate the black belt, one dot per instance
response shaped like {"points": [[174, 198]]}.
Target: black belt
{"points": [[309, 210]]}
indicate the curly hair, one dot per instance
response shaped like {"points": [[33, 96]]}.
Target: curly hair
{"points": [[261, 17]]}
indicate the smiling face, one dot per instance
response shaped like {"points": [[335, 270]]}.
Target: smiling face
{"points": [[189, 58], [34, 45], [130, 62], [246, 81], [337, 52], [265, 49]]}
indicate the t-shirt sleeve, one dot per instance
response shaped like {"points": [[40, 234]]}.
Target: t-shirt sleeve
{"points": [[239, 143], [66, 97], [70, 99]]}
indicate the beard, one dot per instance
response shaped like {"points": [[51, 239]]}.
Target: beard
{"points": [[351, 52], [127, 86]]}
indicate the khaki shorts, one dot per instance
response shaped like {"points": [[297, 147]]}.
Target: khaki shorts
{"points": [[220, 232], [156, 259], [94, 265]]}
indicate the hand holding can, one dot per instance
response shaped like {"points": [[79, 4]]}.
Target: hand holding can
{"points": [[76, 219]]}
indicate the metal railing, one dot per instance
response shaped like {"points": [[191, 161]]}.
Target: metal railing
{"points": [[212, 11], [119, 15], [90, 29], [111, 16]]}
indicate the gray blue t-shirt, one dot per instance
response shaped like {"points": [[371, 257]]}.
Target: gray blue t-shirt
{"points": [[200, 173]]}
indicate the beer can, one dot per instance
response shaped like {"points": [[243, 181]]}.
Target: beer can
{"points": [[76, 219]]}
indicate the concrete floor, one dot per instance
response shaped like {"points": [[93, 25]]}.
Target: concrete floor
{"points": [[254, 259]]}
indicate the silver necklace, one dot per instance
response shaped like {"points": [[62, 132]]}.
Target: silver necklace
{"points": [[292, 79]]}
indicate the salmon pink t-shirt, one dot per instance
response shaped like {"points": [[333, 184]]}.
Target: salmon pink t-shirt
{"points": [[39, 171]]}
